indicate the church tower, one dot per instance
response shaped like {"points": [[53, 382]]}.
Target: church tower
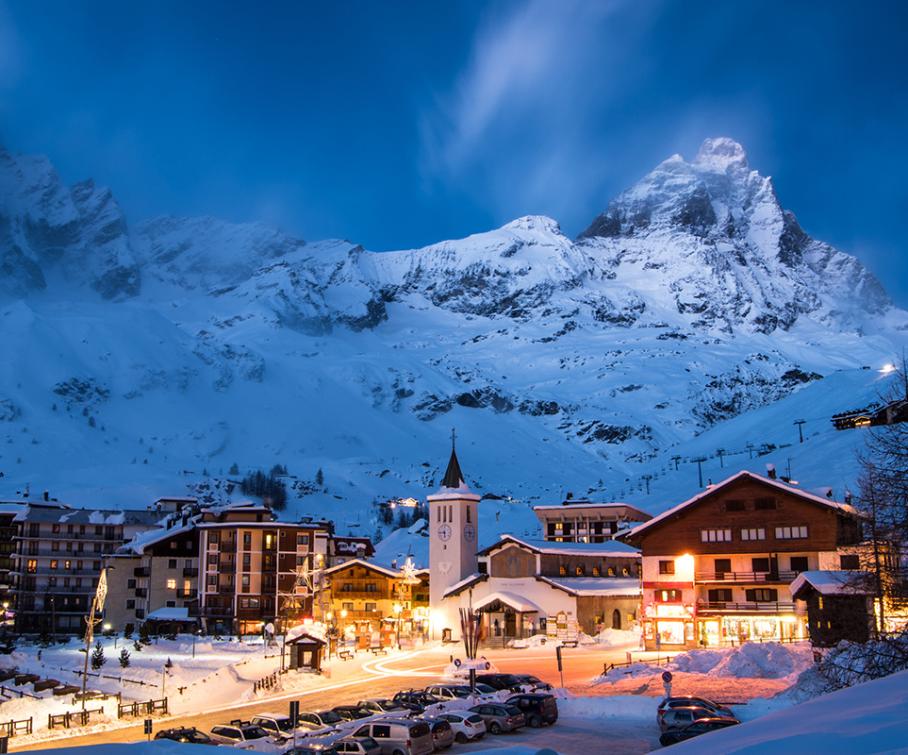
{"points": [[453, 531]]}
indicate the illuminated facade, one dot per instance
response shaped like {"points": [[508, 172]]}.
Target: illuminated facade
{"points": [[717, 569]]}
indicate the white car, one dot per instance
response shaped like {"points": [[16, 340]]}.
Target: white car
{"points": [[466, 725]]}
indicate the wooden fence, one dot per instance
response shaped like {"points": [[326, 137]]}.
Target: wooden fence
{"points": [[148, 708], [72, 718], [269, 682], [15, 728]]}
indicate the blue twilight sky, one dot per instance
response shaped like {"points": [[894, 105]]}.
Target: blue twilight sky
{"points": [[396, 124]]}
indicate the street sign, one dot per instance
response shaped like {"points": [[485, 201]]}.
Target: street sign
{"points": [[148, 727], [294, 713], [667, 677]]}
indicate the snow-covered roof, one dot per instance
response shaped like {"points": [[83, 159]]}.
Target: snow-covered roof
{"points": [[43, 513], [170, 614], [519, 604], [744, 474], [141, 541], [602, 586], [367, 564], [466, 582], [831, 582], [9, 507], [568, 506], [608, 549]]}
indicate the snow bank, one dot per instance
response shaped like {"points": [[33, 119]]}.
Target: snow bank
{"points": [[869, 717]]}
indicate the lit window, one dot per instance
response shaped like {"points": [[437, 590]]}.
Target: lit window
{"points": [[715, 536], [53, 564], [753, 533], [171, 584]]}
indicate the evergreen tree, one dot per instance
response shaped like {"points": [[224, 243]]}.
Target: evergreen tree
{"points": [[144, 636], [319, 477], [234, 468], [138, 646], [169, 664], [97, 657], [124, 658]]}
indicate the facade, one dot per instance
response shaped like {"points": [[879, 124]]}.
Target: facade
{"points": [[343, 549], [453, 533], [153, 576], [372, 605], [838, 604], [58, 560], [9, 510], [523, 586], [718, 567], [254, 570], [579, 521]]}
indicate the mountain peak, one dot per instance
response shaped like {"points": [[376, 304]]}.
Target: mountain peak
{"points": [[721, 153], [534, 223]]}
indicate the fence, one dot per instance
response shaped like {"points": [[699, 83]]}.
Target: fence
{"points": [[15, 728], [9, 692], [149, 708], [72, 718], [659, 661], [269, 682]]}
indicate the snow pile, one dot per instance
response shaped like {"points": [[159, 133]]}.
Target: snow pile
{"points": [[869, 717], [752, 660], [613, 638]]}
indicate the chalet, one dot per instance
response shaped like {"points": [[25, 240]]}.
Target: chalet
{"points": [[839, 605], [718, 567]]}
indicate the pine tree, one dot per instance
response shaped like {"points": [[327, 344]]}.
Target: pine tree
{"points": [[234, 468], [124, 658], [97, 657], [144, 636], [169, 664], [138, 646], [319, 477]]}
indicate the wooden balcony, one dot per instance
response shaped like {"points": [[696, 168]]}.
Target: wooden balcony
{"points": [[728, 607], [747, 577]]}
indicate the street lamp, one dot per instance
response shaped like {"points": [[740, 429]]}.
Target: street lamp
{"points": [[107, 626]]}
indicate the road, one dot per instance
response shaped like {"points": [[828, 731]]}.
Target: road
{"points": [[380, 677]]}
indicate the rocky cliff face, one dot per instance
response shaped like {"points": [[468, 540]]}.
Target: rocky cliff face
{"points": [[193, 342]]}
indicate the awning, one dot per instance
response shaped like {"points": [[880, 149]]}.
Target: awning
{"points": [[521, 605]]}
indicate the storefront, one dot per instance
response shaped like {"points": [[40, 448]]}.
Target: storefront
{"points": [[668, 626], [713, 631]]}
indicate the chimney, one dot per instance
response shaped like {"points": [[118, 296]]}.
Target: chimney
{"points": [[771, 471], [46, 495]]}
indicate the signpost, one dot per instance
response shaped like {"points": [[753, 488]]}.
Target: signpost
{"points": [[667, 683], [560, 664], [294, 714], [148, 728]]}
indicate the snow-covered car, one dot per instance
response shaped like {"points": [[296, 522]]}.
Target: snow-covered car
{"points": [[534, 683], [276, 724], [466, 725], [319, 719], [241, 732], [398, 736], [701, 726], [539, 709], [384, 705], [352, 712]]}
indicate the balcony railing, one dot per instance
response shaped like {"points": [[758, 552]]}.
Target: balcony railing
{"points": [[189, 594], [746, 577], [728, 607], [190, 571], [141, 592]]}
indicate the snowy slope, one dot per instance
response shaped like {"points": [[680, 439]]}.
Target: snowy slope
{"points": [[693, 315]]}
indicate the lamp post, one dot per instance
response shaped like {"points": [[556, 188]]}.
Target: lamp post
{"points": [[107, 627]]}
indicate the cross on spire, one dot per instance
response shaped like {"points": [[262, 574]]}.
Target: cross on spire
{"points": [[453, 475]]}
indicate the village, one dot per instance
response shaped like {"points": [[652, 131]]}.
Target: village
{"points": [[209, 607]]}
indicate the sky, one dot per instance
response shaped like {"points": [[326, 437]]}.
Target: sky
{"points": [[398, 124]]}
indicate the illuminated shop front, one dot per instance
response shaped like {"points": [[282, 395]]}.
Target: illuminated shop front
{"points": [[723, 630]]}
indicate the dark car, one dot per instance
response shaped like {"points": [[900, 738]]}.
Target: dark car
{"points": [[311, 749], [537, 709], [680, 710], [533, 681], [187, 736], [377, 705], [416, 700], [501, 681], [702, 726], [352, 712]]}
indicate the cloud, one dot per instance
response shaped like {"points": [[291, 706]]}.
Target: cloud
{"points": [[519, 126]]}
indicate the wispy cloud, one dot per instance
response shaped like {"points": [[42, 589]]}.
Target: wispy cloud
{"points": [[519, 125]]}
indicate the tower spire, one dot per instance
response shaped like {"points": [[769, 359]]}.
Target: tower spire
{"points": [[453, 475]]}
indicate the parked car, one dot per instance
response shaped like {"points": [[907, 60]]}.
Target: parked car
{"points": [[690, 701], [237, 732], [384, 705], [319, 720], [276, 724], [311, 748], [399, 736], [533, 682], [501, 681], [416, 699], [701, 726], [466, 725], [677, 718], [346, 744], [352, 712], [539, 709], [442, 733], [500, 717], [187, 736]]}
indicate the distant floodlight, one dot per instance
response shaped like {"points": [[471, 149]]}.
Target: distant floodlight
{"points": [[887, 368]]}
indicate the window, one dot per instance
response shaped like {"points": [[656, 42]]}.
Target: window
{"points": [[734, 505], [171, 584], [170, 604], [81, 529], [173, 545], [245, 581], [247, 540], [799, 563], [269, 540], [820, 602], [130, 584], [212, 559], [753, 533], [611, 570], [347, 606], [247, 562], [849, 561], [791, 533], [667, 596], [52, 581], [212, 580], [762, 595], [595, 571], [79, 565], [55, 546], [381, 731], [55, 528], [371, 587], [469, 518], [54, 563], [720, 595], [759, 564], [625, 572], [562, 570], [371, 606], [482, 567], [97, 547], [99, 530], [722, 565], [171, 563], [715, 536], [579, 571], [130, 605], [665, 567], [765, 504], [302, 539], [32, 566], [67, 564]]}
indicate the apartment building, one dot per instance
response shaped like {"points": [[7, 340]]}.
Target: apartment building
{"points": [[718, 567], [254, 570], [155, 577], [9, 511], [58, 558], [582, 521]]}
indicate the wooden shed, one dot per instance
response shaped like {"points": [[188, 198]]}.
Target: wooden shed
{"points": [[305, 651]]}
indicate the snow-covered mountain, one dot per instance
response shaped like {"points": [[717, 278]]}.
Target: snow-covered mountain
{"points": [[144, 358]]}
